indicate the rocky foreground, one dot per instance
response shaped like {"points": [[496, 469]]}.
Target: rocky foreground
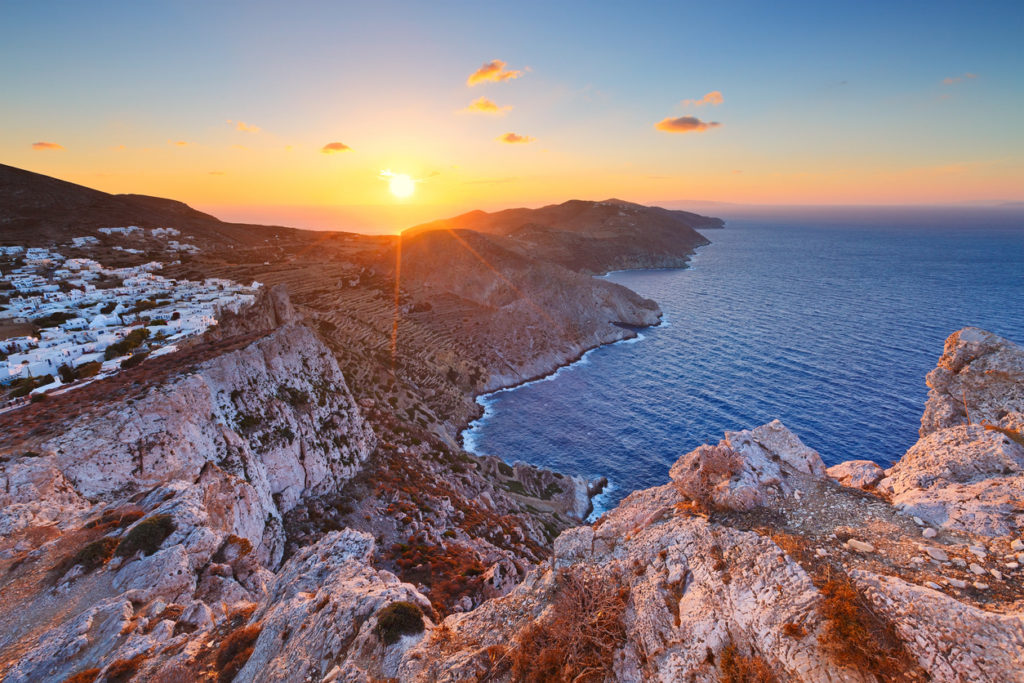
{"points": [[753, 563], [286, 499]]}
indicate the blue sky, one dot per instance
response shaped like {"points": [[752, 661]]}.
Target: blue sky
{"points": [[821, 102]]}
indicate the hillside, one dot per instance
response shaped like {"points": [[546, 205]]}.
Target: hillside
{"points": [[590, 237], [36, 210]]}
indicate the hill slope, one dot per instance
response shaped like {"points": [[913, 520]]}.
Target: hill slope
{"points": [[37, 210], [590, 237]]}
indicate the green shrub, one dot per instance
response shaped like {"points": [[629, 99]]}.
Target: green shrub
{"points": [[399, 619], [130, 343], [146, 536], [90, 369], [54, 319], [95, 554], [134, 360]]}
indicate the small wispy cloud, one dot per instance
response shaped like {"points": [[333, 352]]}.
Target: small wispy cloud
{"points": [[514, 138], [335, 148], [713, 98], [245, 127], [685, 124], [493, 70], [47, 146], [482, 105], [957, 79], [178, 143]]}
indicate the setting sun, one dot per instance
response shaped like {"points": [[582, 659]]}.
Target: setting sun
{"points": [[401, 185]]}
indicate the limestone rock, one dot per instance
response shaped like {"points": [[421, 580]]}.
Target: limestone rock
{"points": [[979, 369], [322, 608], [861, 474]]}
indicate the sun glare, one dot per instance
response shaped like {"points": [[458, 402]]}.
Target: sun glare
{"points": [[401, 185]]}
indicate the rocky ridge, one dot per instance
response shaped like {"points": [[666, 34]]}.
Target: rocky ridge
{"points": [[752, 561], [140, 529]]}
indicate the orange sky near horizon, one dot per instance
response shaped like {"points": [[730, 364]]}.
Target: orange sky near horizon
{"points": [[773, 106]]}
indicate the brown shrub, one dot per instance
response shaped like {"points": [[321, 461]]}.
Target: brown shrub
{"points": [[124, 670], [855, 636], [704, 470], [737, 668], [235, 651], [578, 641], [793, 630], [83, 676], [1013, 434]]}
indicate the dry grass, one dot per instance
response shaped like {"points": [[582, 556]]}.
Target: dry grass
{"points": [[704, 470], [793, 630], [83, 676], [737, 668], [856, 636], [124, 670], [577, 642], [235, 651]]}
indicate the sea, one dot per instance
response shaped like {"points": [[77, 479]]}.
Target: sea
{"points": [[827, 322]]}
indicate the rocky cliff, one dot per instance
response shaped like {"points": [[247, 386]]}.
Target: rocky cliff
{"points": [[136, 529], [752, 563]]}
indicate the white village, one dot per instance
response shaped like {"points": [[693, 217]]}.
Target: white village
{"points": [[68, 321]]}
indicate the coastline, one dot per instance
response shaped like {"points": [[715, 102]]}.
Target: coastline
{"points": [[468, 441]]}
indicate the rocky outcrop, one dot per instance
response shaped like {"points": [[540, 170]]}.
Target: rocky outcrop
{"points": [[161, 516], [861, 474], [276, 413], [967, 470], [742, 560], [979, 378], [320, 616]]}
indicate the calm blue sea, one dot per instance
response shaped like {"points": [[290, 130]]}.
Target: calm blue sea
{"points": [[827, 323]]}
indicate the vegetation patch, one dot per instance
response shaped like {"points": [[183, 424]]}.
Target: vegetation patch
{"points": [[94, 555], [133, 360], [577, 642], [705, 469], [857, 637], [399, 619], [128, 344], [83, 676], [738, 668], [146, 536], [235, 651], [124, 670]]}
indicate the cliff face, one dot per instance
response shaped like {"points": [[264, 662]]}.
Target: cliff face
{"points": [[191, 477], [753, 560]]}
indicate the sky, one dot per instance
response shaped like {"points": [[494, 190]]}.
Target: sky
{"points": [[305, 113]]}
